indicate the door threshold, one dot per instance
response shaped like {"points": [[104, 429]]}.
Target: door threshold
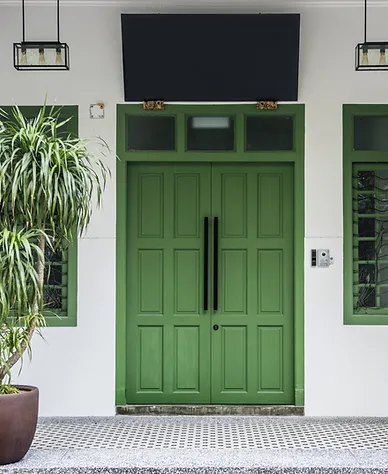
{"points": [[257, 410]]}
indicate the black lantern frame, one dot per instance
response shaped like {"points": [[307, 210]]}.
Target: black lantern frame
{"points": [[371, 56], [55, 57], [41, 55]]}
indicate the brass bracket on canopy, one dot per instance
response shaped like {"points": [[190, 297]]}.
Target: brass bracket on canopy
{"points": [[267, 105], [153, 105]]}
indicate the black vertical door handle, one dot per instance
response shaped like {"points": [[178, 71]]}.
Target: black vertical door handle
{"points": [[215, 266], [206, 265]]}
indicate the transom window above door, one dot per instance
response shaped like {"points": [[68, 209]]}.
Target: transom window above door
{"points": [[150, 133], [269, 133], [261, 132], [210, 133]]}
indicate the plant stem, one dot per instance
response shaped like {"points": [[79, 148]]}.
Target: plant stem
{"points": [[16, 356]]}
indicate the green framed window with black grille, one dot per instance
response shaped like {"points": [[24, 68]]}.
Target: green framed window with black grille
{"points": [[60, 287], [365, 175]]}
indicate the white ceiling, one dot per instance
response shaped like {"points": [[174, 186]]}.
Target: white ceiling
{"points": [[202, 3]]}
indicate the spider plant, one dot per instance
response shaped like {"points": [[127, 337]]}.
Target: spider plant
{"points": [[48, 180]]}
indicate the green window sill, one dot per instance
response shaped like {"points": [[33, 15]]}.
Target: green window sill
{"points": [[366, 319]]}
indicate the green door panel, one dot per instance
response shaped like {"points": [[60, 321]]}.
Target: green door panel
{"points": [[168, 346], [173, 353], [252, 352]]}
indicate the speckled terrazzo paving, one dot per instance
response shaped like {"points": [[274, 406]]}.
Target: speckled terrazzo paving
{"points": [[208, 445]]}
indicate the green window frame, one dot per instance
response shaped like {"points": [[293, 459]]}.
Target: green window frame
{"points": [[363, 287], [66, 315]]}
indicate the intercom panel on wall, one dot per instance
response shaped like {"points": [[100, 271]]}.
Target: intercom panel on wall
{"points": [[321, 258]]}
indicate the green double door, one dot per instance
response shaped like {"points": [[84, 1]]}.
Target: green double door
{"points": [[210, 284]]}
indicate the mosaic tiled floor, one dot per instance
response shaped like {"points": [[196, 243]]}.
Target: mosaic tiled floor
{"points": [[223, 432]]}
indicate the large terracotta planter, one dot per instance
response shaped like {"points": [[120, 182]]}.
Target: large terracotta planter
{"points": [[18, 418]]}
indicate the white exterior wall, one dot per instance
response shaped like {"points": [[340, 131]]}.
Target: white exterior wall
{"points": [[345, 366]]}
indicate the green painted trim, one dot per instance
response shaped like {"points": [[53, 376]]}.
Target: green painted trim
{"points": [[68, 319], [347, 113], [352, 157], [299, 397], [296, 156]]}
